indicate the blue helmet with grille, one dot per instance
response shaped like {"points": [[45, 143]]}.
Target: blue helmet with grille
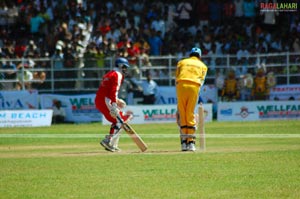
{"points": [[196, 52], [121, 61]]}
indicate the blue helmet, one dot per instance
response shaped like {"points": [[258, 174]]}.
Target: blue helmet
{"points": [[122, 62], [196, 51]]}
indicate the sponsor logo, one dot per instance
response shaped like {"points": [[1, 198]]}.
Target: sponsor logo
{"points": [[167, 100], [226, 112], [159, 114], [279, 111], [83, 105], [244, 112]]}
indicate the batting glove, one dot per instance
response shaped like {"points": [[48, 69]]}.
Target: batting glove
{"points": [[114, 111]]}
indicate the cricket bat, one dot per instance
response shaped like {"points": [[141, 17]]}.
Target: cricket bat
{"points": [[134, 136], [201, 127]]}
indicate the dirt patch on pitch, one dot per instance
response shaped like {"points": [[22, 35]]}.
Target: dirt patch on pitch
{"points": [[85, 152], [42, 147]]}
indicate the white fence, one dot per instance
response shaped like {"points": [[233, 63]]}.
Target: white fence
{"points": [[83, 75]]}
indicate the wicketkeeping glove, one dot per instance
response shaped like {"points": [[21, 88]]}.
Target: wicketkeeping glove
{"points": [[114, 111]]}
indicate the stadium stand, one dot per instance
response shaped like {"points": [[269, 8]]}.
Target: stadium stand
{"points": [[65, 46]]}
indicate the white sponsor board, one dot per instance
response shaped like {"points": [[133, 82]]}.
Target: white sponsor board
{"points": [[258, 110], [285, 92], [159, 114], [78, 108], [25, 118], [18, 100]]}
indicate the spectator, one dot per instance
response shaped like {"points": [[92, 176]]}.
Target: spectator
{"points": [[91, 67], [143, 45], [158, 24], [239, 11], [260, 90], [114, 33], [15, 34], [138, 6], [58, 66], [269, 19], [39, 78], [171, 15], [125, 91], [24, 75], [76, 14], [246, 85], [182, 53], [296, 45], [31, 49], [80, 48], [212, 62], [100, 58], [105, 28], [242, 54], [44, 27], [36, 22], [64, 34], [230, 91], [184, 10], [275, 45], [215, 11], [133, 52], [9, 74], [249, 9], [228, 10], [20, 47], [59, 113], [150, 90], [155, 43], [69, 60], [8, 49], [152, 12], [202, 13], [261, 46]]}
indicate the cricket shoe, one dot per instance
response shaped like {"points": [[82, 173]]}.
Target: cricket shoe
{"points": [[106, 144], [117, 149], [184, 146], [191, 146]]}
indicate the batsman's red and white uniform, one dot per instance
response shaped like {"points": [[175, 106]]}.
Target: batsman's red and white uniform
{"points": [[107, 94]]}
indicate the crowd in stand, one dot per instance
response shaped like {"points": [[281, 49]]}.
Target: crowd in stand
{"points": [[71, 31]]}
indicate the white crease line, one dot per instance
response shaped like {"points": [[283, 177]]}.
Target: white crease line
{"points": [[149, 135]]}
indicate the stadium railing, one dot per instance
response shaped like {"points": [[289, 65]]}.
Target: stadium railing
{"points": [[47, 75]]}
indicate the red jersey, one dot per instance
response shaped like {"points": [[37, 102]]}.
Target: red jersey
{"points": [[108, 94], [110, 85]]}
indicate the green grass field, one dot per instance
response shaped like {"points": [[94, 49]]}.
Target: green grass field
{"points": [[242, 160]]}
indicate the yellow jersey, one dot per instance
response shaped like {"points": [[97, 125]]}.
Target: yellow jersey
{"points": [[191, 69], [260, 84], [230, 86]]}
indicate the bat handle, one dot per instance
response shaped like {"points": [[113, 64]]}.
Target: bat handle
{"points": [[120, 119]]}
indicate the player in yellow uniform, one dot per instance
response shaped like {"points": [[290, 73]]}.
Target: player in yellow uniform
{"points": [[260, 89], [190, 76], [230, 90]]}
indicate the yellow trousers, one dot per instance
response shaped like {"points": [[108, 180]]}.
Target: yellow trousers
{"points": [[187, 98]]}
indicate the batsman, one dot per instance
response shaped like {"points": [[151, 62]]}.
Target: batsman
{"points": [[190, 76], [110, 105]]}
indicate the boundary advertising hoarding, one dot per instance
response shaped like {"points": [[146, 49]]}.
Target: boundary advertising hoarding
{"points": [[19, 100], [159, 114], [78, 108], [258, 110], [25, 118]]}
